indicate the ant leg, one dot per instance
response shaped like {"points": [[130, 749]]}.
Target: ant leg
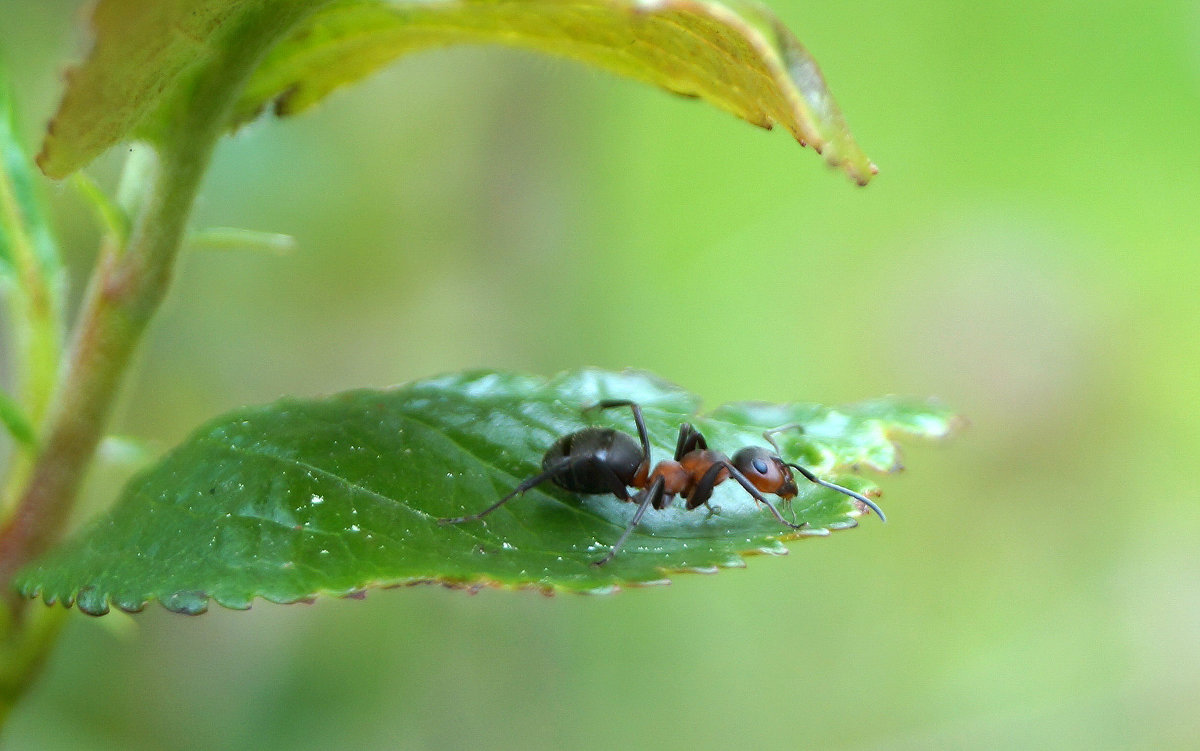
{"points": [[786, 504], [767, 434], [643, 468], [648, 498], [637, 419], [519, 490], [610, 403], [703, 489], [753, 491], [690, 439], [615, 485], [856, 496]]}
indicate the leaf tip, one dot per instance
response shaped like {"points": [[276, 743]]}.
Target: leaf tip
{"points": [[187, 602], [955, 424], [872, 171], [92, 601], [47, 159], [42, 160]]}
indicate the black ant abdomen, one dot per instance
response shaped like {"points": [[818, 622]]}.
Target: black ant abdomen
{"points": [[594, 461]]}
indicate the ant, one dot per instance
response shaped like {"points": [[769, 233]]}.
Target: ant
{"points": [[603, 460]]}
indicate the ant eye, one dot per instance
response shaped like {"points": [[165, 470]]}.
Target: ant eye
{"points": [[760, 466]]}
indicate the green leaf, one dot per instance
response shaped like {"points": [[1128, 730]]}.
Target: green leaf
{"points": [[15, 421], [736, 55], [151, 63], [333, 496]]}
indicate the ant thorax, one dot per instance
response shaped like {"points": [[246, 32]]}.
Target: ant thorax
{"points": [[675, 478], [681, 477]]}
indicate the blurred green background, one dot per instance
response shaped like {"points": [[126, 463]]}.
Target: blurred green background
{"points": [[1028, 254]]}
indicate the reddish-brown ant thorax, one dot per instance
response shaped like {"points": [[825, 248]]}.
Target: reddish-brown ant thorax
{"points": [[675, 478], [699, 462]]}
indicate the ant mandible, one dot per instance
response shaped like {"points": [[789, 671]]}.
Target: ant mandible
{"points": [[602, 460]]}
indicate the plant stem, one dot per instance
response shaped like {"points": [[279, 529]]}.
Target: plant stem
{"points": [[126, 288], [123, 295]]}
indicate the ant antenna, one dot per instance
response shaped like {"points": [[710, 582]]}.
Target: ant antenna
{"points": [[856, 496], [769, 434]]}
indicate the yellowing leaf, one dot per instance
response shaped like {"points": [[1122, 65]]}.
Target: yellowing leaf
{"points": [[735, 55]]}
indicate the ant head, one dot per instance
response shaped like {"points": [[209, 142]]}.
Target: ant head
{"points": [[765, 471]]}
